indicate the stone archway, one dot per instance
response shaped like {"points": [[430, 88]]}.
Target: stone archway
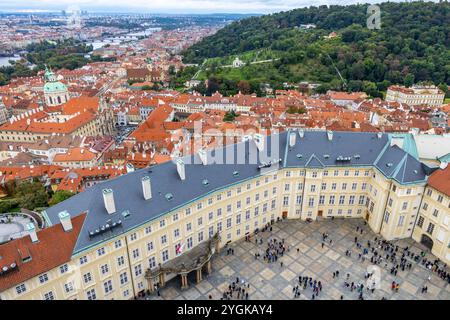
{"points": [[427, 241], [196, 259]]}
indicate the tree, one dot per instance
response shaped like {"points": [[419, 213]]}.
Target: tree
{"points": [[409, 80], [172, 70], [31, 195], [244, 87], [59, 196], [230, 116]]}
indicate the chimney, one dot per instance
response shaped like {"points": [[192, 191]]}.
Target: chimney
{"points": [[246, 138], [330, 135], [108, 198], [292, 139], [130, 168], [147, 187], [32, 232], [66, 223], [180, 169], [301, 133], [443, 165], [259, 141], [203, 156]]}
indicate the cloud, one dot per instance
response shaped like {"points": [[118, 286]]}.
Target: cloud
{"points": [[171, 6]]}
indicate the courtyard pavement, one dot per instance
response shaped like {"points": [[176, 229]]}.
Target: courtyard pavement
{"points": [[274, 282]]}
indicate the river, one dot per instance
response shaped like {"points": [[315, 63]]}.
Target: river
{"points": [[4, 61]]}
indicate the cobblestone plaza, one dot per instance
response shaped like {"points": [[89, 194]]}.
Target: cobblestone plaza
{"points": [[273, 281]]}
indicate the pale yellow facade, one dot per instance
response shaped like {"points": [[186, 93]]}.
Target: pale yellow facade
{"points": [[234, 212], [434, 223]]}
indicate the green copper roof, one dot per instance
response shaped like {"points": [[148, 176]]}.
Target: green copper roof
{"points": [[409, 145], [445, 158], [57, 86]]}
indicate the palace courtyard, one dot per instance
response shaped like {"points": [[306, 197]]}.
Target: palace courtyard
{"points": [[273, 281]]}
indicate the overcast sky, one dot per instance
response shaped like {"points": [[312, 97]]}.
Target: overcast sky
{"points": [[170, 6]]}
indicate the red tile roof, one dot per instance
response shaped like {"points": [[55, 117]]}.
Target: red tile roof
{"points": [[440, 180], [45, 255]]}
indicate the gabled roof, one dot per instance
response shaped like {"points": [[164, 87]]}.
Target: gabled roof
{"points": [[440, 180], [54, 248]]}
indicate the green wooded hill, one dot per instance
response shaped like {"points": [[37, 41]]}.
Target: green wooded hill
{"points": [[413, 45]]}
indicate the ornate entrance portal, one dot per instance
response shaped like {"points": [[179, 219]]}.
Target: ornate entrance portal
{"points": [[197, 259]]}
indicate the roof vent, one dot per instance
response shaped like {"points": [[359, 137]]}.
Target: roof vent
{"points": [[357, 156], [181, 169], [31, 229], [416, 172], [203, 156], [292, 139], [169, 196], [259, 141], [66, 223], [205, 182], [330, 135], [299, 155], [326, 156], [108, 199], [146, 187], [389, 164], [301, 133], [235, 173], [379, 135], [130, 168]]}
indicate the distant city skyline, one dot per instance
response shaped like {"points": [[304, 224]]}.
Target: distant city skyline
{"points": [[169, 6]]}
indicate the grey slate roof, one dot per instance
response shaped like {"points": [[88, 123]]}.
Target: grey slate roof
{"points": [[359, 149]]}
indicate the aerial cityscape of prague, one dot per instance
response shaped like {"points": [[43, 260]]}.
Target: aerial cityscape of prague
{"points": [[226, 151]]}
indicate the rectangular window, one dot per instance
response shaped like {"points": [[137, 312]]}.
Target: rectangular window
{"points": [[152, 262], [331, 200], [165, 255], [91, 295], [107, 285], [21, 288], [104, 269], [49, 296], [43, 278], [87, 277], [123, 277], [138, 270], [321, 200], [430, 228], [64, 268], [386, 217]]}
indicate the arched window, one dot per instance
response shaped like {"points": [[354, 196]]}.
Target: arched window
{"points": [[59, 100]]}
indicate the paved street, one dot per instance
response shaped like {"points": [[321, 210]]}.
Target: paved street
{"points": [[271, 281]]}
